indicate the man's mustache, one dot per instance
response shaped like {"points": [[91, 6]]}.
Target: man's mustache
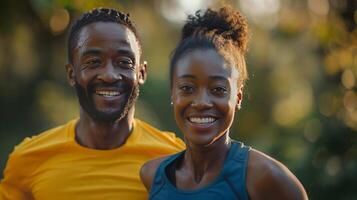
{"points": [[122, 86]]}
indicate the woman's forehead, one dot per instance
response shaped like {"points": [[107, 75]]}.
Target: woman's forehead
{"points": [[204, 62]]}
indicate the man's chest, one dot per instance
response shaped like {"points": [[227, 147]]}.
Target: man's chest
{"points": [[88, 178]]}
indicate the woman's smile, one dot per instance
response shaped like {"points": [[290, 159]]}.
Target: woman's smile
{"points": [[202, 124]]}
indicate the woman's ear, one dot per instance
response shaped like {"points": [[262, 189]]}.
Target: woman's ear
{"points": [[239, 98], [70, 74], [171, 100], [142, 74]]}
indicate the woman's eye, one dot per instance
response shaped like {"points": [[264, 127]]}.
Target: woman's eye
{"points": [[186, 89], [219, 90]]}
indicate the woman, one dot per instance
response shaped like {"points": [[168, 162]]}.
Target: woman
{"points": [[208, 72]]}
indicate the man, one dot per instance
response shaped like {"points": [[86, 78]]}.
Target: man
{"points": [[97, 156]]}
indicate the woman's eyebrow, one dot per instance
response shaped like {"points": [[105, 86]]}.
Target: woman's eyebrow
{"points": [[216, 77], [187, 76]]}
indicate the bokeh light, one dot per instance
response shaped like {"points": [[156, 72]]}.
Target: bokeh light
{"points": [[59, 21], [319, 7], [176, 11], [348, 79], [262, 12]]}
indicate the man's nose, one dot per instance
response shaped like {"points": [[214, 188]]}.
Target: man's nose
{"points": [[109, 74]]}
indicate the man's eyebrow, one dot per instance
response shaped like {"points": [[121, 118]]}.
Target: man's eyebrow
{"points": [[126, 52], [91, 51]]}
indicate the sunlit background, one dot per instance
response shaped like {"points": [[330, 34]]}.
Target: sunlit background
{"points": [[300, 104]]}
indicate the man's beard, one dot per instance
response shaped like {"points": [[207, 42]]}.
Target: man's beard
{"points": [[85, 98]]}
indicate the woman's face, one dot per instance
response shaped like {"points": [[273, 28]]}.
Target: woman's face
{"points": [[204, 95]]}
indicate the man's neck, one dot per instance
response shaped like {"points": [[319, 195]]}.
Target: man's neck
{"points": [[103, 135]]}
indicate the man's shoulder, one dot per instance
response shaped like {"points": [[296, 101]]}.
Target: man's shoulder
{"points": [[152, 134], [140, 124], [33, 151], [46, 139]]}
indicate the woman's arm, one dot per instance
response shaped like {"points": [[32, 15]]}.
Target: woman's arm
{"points": [[148, 170], [267, 178]]}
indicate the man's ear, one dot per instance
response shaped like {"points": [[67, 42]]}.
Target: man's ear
{"points": [[142, 73], [239, 98], [70, 74]]}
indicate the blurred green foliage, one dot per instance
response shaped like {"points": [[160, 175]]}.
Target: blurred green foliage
{"points": [[300, 104]]}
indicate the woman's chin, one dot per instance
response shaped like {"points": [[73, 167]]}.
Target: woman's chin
{"points": [[200, 141], [205, 141]]}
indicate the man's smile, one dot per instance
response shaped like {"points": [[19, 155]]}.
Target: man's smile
{"points": [[107, 93], [109, 90], [111, 93]]}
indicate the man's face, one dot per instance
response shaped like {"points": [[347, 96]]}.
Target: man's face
{"points": [[106, 70]]}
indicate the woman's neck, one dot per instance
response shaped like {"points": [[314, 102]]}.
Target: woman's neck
{"points": [[202, 160]]}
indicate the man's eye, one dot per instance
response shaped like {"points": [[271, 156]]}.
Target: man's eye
{"points": [[93, 62], [126, 63]]}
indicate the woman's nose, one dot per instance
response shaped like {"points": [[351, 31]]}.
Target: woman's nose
{"points": [[202, 101]]}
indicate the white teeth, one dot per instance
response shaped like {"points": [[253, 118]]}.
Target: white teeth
{"points": [[107, 93], [202, 120]]}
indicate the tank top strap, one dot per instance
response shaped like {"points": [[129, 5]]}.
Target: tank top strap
{"points": [[235, 170], [159, 179]]}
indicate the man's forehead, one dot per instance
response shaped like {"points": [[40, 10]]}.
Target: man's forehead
{"points": [[109, 34]]}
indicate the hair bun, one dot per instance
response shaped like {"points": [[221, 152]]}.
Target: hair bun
{"points": [[226, 22]]}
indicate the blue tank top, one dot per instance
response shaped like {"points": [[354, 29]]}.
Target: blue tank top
{"points": [[230, 184]]}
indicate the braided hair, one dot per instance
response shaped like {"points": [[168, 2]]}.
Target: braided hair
{"points": [[98, 15], [224, 30]]}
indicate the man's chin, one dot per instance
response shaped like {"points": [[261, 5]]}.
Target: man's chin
{"points": [[105, 113], [107, 116]]}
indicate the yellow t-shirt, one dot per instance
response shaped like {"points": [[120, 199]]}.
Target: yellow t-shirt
{"points": [[54, 166]]}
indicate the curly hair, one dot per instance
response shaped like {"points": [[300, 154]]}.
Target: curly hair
{"points": [[224, 30], [98, 15]]}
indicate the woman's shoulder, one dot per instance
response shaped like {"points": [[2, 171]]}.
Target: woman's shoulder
{"points": [[267, 178], [148, 171]]}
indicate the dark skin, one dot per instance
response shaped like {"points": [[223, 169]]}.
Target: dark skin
{"points": [[106, 53], [205, 95]]}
